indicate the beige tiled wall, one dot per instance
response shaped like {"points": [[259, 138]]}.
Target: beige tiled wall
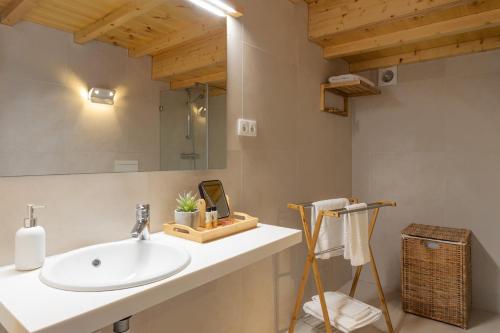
{"points": [[432, 144], [300, 154]]}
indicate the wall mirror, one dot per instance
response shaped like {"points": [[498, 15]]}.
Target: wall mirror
{"points": [[112, 86], [193, 128]]}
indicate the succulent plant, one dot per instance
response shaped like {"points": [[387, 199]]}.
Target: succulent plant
{"points": [[187, 202]]}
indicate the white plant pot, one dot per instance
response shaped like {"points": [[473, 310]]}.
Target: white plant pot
{"points": [[190, 219]]}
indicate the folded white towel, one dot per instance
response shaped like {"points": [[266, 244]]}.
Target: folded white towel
{"points": [[338, 304], [356, 239], [345, 305], [349, 77], [332, 229]]}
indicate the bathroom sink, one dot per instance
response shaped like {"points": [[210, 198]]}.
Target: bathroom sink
{"points": [[113, 266]]}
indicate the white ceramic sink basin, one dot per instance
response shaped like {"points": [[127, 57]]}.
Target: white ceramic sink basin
{"points": [[113, 266]]}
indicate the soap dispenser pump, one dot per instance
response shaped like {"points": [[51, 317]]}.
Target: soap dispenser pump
{"points": [[30, 243]]}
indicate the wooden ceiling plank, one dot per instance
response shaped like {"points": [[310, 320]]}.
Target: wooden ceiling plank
{"points": [[428, 44], [116, 18], [16, 10], [209, 78], [237, 7], [329, 17], [475, 46], [172, 40], [445, 28], [208, 52], [413, 21]]}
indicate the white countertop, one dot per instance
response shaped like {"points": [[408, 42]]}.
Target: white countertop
{"points": [[27, 305]]}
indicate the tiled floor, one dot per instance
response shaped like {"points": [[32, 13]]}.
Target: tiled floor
{"points": [[481, 321]]}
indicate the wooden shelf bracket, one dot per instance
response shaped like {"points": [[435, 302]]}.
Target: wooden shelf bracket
{"points": [[345, 90]]}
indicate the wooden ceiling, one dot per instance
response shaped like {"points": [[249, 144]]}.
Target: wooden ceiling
{"points": [[371, 34], [187, 43]]}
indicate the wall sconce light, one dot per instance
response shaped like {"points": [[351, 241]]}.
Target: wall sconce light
{"points": [[102, 96], [216, 7]]}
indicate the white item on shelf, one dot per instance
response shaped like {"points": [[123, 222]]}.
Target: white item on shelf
{"points": [[346, 313], [345, 305], [30, 243], [332, 229], [356, 239], [349, 77]]}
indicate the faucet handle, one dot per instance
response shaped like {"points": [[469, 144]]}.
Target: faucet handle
{"points": [[142, 211]]}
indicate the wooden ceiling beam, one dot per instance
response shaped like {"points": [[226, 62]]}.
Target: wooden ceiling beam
{"points": [[115, 19], [210, 51], [438, 15], [16, 10], [236, 6], [445, 28], [171, 40], [330, 17], [209, 78], [456, 49]]}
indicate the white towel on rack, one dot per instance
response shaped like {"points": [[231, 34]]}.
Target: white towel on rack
{"points": [[349, 77], [340, 309], [332, 229], [356, 239], [345, 305]]}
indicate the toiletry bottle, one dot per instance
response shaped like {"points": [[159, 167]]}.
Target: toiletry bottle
{"points": [[208, 218], [30, 243], [202, 209], [215, 217]]}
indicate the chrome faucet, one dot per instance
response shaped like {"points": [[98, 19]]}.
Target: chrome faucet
{"points": [[141, 227]]}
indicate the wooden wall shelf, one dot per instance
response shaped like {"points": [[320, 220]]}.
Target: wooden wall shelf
{"points": [[345, 89]]}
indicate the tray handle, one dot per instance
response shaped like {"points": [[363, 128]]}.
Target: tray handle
{"points": [[180, 228]]}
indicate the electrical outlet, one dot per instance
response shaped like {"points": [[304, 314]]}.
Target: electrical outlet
{"points": [[247, 127], [243, 127], [252, 128]]}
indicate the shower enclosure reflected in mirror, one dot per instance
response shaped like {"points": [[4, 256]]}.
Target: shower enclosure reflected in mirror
{"points": [[193, 128]]}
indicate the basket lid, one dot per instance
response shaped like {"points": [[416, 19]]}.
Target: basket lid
{"points": [[438, 233]]}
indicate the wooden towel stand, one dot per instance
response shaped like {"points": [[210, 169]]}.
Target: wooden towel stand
{"points": [[312, 261]]}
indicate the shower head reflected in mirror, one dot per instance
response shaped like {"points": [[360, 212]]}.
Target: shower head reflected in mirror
{"points": [[200, 111], [197, 105]]}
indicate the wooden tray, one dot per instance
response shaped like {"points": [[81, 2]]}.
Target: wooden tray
{"points": [[242, 222]]}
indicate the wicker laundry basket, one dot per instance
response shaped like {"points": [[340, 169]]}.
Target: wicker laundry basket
{"points": [[436, 273]]}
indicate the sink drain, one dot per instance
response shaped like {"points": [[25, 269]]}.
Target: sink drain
{"points": [[96, 262]]}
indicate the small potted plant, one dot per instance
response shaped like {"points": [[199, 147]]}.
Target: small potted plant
{"points": [[187, 210]]}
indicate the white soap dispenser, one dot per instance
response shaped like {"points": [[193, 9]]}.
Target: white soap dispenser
{"points": [[30, 243]]}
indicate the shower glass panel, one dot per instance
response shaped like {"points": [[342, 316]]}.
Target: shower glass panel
{"points": [[193, 128]]}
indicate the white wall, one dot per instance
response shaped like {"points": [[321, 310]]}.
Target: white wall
{"points": [[300, 154], [47, 127], [432, 144]]}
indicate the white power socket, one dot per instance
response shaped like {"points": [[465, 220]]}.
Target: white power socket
{"points": [[247, 127], [252, 127]]}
